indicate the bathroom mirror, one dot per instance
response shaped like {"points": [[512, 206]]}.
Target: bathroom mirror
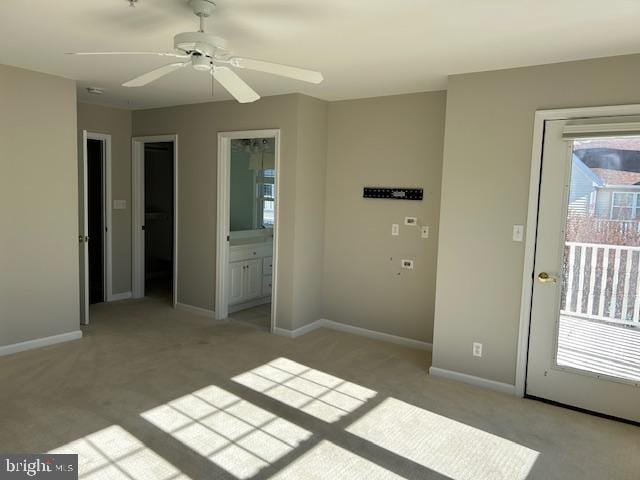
{"points": [[252, 182]]}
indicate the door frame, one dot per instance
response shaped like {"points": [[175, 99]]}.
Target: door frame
{"points": [[137, 196], [542, 116], [222, 218], [107, 246]]}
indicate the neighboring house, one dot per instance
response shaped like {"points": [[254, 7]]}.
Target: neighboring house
{"points": [[583, 192], [605, 193]]}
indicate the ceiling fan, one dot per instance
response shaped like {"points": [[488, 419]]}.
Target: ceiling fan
{"points": [[207, 53]]}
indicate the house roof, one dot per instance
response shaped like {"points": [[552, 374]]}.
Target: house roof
{"points": [[618, 143], [617, 177]]}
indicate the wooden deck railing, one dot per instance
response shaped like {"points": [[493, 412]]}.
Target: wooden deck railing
{"points": [[601, 282]]}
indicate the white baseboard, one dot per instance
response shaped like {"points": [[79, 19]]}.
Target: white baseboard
{"points": [[39, 342], [197, 310], [385, 337], [119, 296], [471, 380], [363, 332], [298, 331]]}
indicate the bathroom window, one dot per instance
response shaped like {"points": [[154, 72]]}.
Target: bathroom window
{"points": [[265, 197]]}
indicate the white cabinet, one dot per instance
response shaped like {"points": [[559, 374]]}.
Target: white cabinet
{"points": [[253, 276], [236, 280], [266, 286], [245, 281], [250, 274]]}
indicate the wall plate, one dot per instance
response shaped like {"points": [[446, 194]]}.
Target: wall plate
{"points": [[406, 264]]}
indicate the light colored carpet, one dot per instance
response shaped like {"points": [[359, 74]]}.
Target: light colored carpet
{"points": [[155, 393]]}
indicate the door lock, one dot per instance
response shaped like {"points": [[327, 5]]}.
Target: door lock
{"points": [[544, 277]]}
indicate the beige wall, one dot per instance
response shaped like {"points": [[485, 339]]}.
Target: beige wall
{"points": [[117, 123], [39, 294], [197, 127], [387, 141], [487, 159], [310, 210]]}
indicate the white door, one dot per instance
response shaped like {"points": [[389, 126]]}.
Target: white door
{"points": [[253, 279], [584, 345], [236, 282], [83, 227]]}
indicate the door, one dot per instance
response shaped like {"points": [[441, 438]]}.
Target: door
{"points": [[236, 282], [95, 219], [83, 228], [584, 345], [253, 279]]}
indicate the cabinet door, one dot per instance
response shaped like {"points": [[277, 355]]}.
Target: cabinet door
{"points": [[253, 279], [236, 282], [266, 286]]}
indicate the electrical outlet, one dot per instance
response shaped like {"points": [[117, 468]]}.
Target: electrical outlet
{"points": [[424, 232], [477, 349], [411, 221], [395, 229], [407, 264]]}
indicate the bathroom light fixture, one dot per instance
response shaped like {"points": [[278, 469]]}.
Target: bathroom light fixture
{"points": [[95, 90]]}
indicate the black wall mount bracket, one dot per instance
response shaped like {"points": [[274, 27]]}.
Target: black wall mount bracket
{"points": [[393, 193]]}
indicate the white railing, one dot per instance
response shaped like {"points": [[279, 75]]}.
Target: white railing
{"points": [[601, 282]]}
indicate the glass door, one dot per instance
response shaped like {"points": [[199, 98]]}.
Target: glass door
{"points": [[585, 319]]}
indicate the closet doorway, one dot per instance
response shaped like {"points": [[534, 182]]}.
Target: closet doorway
{"points": [[155, 233], [94, 220]]}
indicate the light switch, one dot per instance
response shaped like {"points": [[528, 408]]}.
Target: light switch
{"points": [[518, 233], [410, 221], [119, 204], [424, 231], [395, 229]]}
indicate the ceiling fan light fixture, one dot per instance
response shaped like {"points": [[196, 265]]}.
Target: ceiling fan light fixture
{"points": [[201, 63]]}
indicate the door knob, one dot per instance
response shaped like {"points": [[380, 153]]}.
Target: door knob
{"points": [[544, 277]]}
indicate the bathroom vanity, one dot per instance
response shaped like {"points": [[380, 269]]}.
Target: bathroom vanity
{"points": [[250, 272]]}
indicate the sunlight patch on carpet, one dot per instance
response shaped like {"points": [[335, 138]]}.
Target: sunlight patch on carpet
{"points": [[231, 432], [115, 454], [312, 391], [459, 451]]}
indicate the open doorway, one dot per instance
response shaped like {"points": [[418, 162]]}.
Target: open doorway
{"points": [[94, 216], [155, 217], [248, 170], [96, 210]]}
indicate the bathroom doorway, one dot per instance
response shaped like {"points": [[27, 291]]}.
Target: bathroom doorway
{"points": [[247, 216]]}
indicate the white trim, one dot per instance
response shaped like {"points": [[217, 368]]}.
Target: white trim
{"points": [[120, 296], [471, 380], [39, 342], [197, 310], [385, 337], [541, 116], [362, 332], [107, 249], [283, 332], [222, 219], [137, 194]]}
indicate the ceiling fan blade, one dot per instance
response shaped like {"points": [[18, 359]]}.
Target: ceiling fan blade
{"points": [[162, 54], [234, 85], [154, 75], [277, 69]]}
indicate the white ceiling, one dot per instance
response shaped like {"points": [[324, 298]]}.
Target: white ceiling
{"points": [[363, 47]]}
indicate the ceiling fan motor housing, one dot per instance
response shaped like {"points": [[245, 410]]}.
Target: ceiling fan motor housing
{"points": [[199, 42]]}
